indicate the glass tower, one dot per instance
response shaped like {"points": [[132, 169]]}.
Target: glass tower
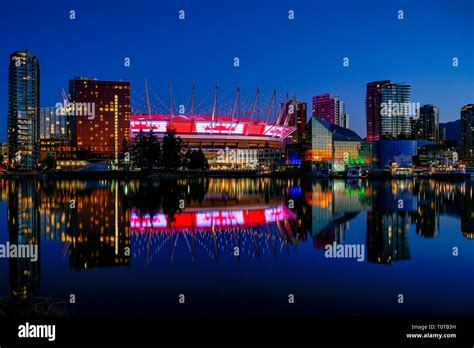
{"points": [[396, 123], [386, 109], [23, 110], [467, 133], [427, 125]]}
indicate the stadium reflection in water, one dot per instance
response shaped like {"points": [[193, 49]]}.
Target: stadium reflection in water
{"points": [[239, 246]]}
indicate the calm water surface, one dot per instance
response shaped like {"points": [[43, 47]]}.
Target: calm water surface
{"points": [[241, 246]]}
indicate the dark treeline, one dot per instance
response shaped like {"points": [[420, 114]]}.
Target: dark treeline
{"points": [[149, 153]]}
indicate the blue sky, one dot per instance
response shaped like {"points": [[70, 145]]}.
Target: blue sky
{"points": [[302, 56]]}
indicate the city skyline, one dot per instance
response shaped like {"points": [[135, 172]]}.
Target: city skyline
{"points": [[284, 162], [191, 56]]}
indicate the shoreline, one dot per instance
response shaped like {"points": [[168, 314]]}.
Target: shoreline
{"points": [[101, 175], [166, 175]]}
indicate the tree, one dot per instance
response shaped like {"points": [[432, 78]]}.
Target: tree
{"points": [[172, 145], [197, 160], [202, 162], [186, 161]]}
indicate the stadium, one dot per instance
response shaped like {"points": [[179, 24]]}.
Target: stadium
{"points": [[230, 142]]}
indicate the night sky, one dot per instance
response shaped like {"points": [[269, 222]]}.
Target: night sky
{"points": [[302, 56]]}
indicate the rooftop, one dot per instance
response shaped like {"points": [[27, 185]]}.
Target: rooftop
{"points": [[339, 133]]}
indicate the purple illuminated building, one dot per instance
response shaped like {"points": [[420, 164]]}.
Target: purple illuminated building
{"points": [[328, 107]]}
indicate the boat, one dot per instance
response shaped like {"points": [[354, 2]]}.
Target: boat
{"points": [[421, 172], [402, 172]]}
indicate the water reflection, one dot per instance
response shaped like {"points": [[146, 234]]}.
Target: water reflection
{"points": [[23, 229], [115, 223]]}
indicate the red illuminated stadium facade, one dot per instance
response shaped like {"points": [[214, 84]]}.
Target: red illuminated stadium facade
{"points": [[221, 127], [210, 221], [229, 142]]}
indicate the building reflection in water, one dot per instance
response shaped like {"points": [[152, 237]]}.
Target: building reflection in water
{"points": [[23, 229], [467, 212], [89, 218], [248, 214], [389, 220], [98, 231], [333, 205], [392, 207]]}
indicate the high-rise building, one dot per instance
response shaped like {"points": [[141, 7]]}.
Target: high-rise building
{"points": [[55, 140], [52, 124], [346, 121], [388, 110], [442, 134], [99, 116], [23, 110], [426, 126], [328, 107], [3, 153], [373, 101], [467, 132]]}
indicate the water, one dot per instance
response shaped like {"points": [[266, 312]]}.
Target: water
{"points": [[241, 247]]}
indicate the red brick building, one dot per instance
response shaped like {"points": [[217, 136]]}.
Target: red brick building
{"points": [[99, 113]]}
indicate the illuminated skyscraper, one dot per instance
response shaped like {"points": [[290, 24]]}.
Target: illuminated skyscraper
{"points": [[99, 116], [297, 113], [23, 110], [328, 107], [426, 126], [52, 125], [388, 110], [54, 136]]}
